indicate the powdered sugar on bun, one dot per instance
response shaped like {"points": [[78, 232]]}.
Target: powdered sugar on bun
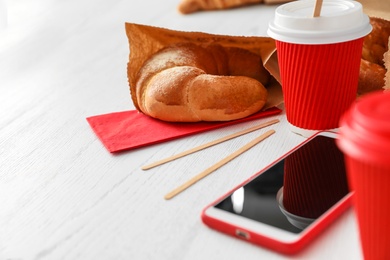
{"points": [[186, 82]]}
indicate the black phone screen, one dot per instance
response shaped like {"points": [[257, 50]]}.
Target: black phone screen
{"points": [[296, 190]]}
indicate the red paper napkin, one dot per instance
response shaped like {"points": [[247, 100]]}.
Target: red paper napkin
{"points": [[131, 129]]}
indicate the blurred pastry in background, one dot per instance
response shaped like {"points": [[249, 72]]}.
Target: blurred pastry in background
{"points": [[387, 66], [191, 6], [372, 66]]}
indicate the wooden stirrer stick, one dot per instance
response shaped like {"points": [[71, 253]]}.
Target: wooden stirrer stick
{"points": [[201, 147], [214, 167], [317, 8]]}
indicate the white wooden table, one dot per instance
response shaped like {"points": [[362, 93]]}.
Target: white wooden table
{"points": [[63, 195]]}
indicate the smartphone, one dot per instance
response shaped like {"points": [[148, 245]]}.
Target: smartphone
{"points": [[286, 205]]}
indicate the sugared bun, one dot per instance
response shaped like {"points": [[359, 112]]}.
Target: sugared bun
{"points": [[186, 82]]}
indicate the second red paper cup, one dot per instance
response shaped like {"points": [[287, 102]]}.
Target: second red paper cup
{"points": [[365, 140], [319, 60]]}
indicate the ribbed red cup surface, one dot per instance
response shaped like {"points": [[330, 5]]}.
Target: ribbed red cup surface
{"points": [[365, 140], [319, 81]]}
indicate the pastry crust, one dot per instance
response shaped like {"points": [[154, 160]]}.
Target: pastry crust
{"points": [[372, 66], [188, 83], [371, 77], [387, 66], [376, 43], [191, 6]]}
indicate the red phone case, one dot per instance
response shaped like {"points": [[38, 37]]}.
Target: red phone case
{"points": [[292, 247]]}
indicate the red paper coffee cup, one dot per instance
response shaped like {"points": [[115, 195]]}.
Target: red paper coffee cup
{"points": [[319, 82], [364, 138], [319, 60]]}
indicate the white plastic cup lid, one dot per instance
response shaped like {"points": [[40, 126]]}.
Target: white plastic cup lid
{"points": [[340, 21]]}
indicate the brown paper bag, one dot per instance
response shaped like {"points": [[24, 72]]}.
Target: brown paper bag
{"points": [[146, 40]]}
